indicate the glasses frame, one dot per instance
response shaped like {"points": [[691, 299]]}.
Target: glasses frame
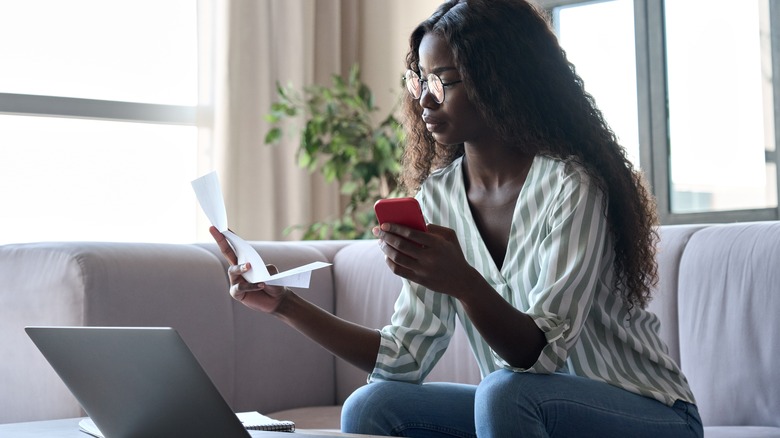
{"points": [[432, 82]]}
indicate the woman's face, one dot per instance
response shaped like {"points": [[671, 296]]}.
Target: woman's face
{"points": [[455, 120]]}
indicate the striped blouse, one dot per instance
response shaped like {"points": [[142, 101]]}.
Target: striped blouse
{"points": [[558, 269]]}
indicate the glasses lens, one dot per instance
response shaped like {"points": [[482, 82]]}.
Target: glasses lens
{"points": [[436, 88], [413, 83]]}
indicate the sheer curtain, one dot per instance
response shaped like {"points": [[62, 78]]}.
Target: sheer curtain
{"points": [[246, 47]]}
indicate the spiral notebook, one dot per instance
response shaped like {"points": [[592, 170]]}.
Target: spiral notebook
{"points": [[257, 421]]}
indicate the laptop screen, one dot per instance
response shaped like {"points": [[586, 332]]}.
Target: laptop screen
{"points": [[137, 381]]}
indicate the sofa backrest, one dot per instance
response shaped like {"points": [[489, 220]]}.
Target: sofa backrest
{"points": [[718, 300], [729, 323]]}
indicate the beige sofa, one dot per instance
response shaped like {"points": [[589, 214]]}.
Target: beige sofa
{"points": [[718, 299]]}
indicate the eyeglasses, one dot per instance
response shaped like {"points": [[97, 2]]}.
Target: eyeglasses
{"points": [[434, 84]]}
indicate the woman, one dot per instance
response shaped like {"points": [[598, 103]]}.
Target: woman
{"points": [[540, 242]]}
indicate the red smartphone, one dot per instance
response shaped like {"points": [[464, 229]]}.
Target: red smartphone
{"points": [[401, 211]]}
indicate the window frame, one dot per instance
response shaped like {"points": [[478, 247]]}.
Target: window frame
{"points": [[72, 107], [652, 101]]}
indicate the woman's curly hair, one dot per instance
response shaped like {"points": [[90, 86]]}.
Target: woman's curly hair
{"points": [[519, 78]]}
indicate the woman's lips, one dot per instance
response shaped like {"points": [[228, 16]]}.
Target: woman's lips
{"points": [[432, 124]]}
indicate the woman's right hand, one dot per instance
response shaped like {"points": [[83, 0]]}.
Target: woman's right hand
{"points": [[257, 296], [356, 344]]}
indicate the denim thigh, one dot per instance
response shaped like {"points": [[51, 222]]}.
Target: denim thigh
{"points": [[412, 410], [511, 404]]}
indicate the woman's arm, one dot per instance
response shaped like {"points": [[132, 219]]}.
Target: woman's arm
{"points": [[355, 344], [512, 334], [435, 260]]}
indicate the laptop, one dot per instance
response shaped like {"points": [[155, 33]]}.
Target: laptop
{"points": [[139, 382]]}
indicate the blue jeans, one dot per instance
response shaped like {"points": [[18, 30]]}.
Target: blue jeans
{"points": [[508, 404]]}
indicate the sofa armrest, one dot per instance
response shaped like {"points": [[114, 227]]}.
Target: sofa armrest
{"points": [[97, 284]]}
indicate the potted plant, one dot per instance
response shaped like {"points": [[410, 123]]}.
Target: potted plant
{"points": [[340, 140]]}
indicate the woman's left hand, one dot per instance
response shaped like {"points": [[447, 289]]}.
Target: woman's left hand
{"points": [[433, 259]]}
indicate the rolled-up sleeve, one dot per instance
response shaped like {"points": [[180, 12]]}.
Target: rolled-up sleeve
{"points": [[571, 260], [419, 332]]}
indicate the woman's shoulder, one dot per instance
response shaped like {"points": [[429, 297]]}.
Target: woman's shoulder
{"points": [[562, 169], [563, 180]]}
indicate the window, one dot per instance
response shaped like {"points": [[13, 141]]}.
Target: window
{"points": [[599, 41], [703, 100], [719, 86], [97, 120]]}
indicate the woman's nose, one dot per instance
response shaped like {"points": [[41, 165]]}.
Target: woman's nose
{"points": [[426, 97]]}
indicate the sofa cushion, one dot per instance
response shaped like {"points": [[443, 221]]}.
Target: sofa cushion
{"points": [[729, 296]]}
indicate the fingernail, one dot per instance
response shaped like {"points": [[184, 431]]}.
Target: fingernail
{"points": [[243, 267]]}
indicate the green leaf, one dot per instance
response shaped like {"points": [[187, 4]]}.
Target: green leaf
{"points": [[305, 160], [273, 135], [340, 140], [348, 187]]}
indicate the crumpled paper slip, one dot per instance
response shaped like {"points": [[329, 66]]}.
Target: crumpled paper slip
{"points": [[209, 194]]}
